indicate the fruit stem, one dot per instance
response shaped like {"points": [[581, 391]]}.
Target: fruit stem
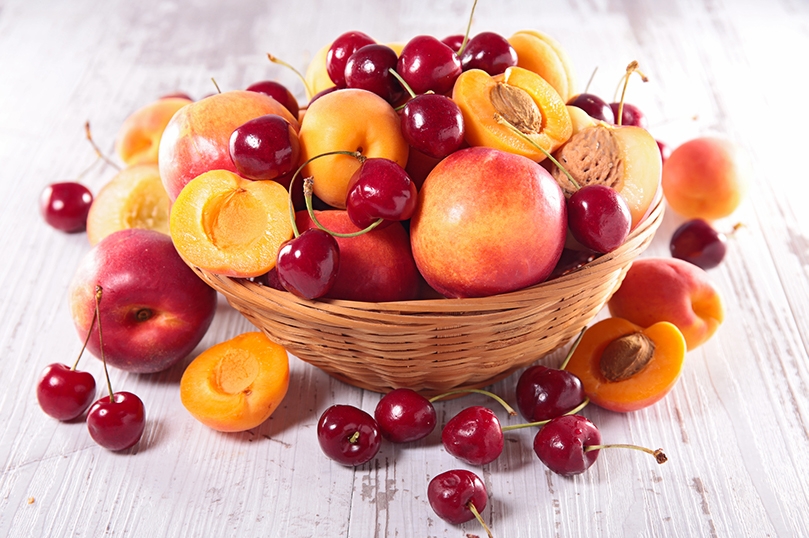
{"points": [[97, 150], [510, 410], [659, 455], [503, 121], [573, 411], [468, 28], [573, 349], [216, 85], [308, 184], [99, 291], [592, 76], [89, 331], [404, 84], [355, 437], [631, 68], [474, 510], [306, 86]]}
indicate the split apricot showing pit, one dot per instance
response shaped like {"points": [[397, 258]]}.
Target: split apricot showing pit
{"points": [[624, 367], [237, 384]]}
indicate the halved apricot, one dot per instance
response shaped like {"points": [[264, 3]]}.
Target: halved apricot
{"points": [[542, 54], [521, 98], [229, 225], [624, 367], [237, 384]]}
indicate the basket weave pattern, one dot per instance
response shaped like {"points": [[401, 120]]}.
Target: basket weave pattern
{"points": [[436, 345]]}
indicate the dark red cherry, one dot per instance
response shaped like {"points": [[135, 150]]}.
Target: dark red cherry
{"points": [[561, 442], [544, 393], [340, 51], [490, 52], [474, 436], [426, 64], [279, 92], [433, 124], [404, 416], [571, 260], [63, 393], [348, 435], [307, 265], [631, 115], [454, 41], [321, 93], [65, 206], [271, 280], [380, 189], [595, 106], [265, 147], [117, 423], [369, 69], [598, 218], [451, 492], [697, 242]]}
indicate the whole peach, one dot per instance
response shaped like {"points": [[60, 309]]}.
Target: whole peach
{"points": [[139, 136], [668, 289], [705, 178]]}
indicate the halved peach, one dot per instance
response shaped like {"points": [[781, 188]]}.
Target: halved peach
{"points": [[236, 385], [521, 98], [133, 198], [229, 225], [139, 136], [542, 54]]}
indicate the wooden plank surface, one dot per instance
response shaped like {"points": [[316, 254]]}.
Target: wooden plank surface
{"points": [[736, 427]]}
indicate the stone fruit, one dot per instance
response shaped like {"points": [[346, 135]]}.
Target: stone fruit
{"points": [[545, 56], [544, 393], [265, 147], [138, 138], [117, 421], [458, 496], [348, 435], [404, 416], [474, 436], [65, 206], [697, 242], [65, 393], [307, 265]]}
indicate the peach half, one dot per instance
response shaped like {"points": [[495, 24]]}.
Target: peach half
{"points": [[139, 136], [545, 56], [133, 198], [229, 225]]}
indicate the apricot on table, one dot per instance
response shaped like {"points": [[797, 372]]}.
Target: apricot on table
{"points": [[521, 98], [229, 225], [624, 367], [545, 56], [673, 290], [139, 136], [237, 384]]}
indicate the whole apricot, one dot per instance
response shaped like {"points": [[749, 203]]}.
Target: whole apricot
{"points": [[545, 56]]}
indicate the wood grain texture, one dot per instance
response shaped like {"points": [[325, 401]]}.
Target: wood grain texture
{"points": [[736, 426]]}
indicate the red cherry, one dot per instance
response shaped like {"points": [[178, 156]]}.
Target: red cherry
{"points": [[348, 435], [63, 393], [631, 115], [426, 63], [454, 41], [265, 147], [321, 93], [65, 205], [277, 91], [697, 242], [452, 492], [474, 436], [433, 124], [545, 393], [340, 51], [369, 69], [380, 189], [598, 218], [594, 106], [560, 444], [404, 416], [117, 423], [490, 52], [307, 265]]}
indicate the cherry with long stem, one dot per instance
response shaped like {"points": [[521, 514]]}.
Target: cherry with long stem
{"points": [[306, 87]]}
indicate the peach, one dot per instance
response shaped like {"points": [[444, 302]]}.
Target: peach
{"points": [[348, 120], [229, 225], [237, 384], [197, 139], [316, 76], [478, 232], [542, 54], [668, 289], [705, 178], [139, 136], [133, 198], [518, 96]]}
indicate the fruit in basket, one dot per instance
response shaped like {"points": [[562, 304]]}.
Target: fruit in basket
{"points": [[473, 435], [629, 115], [229, 225], [426, 64], [477, 232], [545, 56], [265, 147], [316, 76], [458, 496], [348, 435], [339, 52], [697, 242], [490, 52], [65, 206], [155, 309], [433, 125], [705, 178], [138, 138], [624, 367], [594, 106], [380, 189], [598, 218], [279, 92], [668, 289], [349, 120], [307, 265], [521, 98], [237, 384], [133, 198], [197, 139], [368, 68]]}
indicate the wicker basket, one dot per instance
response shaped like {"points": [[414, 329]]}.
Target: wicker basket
{"points": [[436, 345]]}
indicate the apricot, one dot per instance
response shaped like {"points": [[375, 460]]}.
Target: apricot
{"points": [[237, 384], [518, 96], [139, 136], [705, 178], [624, 367], [348, 120], [229, 225], [673, 290], [316, 76], [542, 54]]}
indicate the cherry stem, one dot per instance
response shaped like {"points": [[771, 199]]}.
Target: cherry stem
{"points": [[306, 86], [216, 85], [572, 349], [404, 84], [573, 411], [89, 333], [308, 184], [468, 28], [631, 68], [503, 121], [510, 410], [474, 511], [355, 437], [97, 150], [99, 291], [659, 455], [592, 76]]}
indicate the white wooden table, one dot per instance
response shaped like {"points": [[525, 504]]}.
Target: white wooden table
{"points": [[736, 427]]}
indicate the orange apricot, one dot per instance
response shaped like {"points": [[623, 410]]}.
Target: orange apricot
{"points": [[139, 136], [521, 98], [229, 225], [540, 53], [624, 367], [316, 76], [237, 384]]}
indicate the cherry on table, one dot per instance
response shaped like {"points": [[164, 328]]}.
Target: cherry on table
{"points": [[117, 422], [697, 242], [380, 189], [433, 124], [368, 68], [65, 393], [544, 393], [65, 206], [458, 496], [307, 265], [404, 416], [490, 52], [340, 51], [599, 218], [265, 147], [560, 444], [348, 435], [474, 435], [277, 91], [594, 106], [427, 64]]}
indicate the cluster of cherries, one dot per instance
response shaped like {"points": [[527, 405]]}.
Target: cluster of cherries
{"points": [[567, 443], [115, 421]]}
